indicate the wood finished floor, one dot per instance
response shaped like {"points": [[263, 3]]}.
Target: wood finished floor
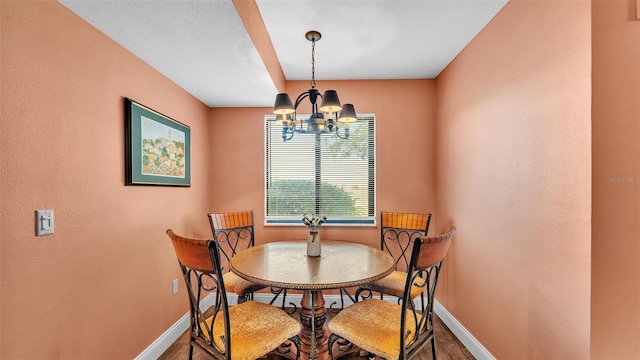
{"points": [[448, 347]]}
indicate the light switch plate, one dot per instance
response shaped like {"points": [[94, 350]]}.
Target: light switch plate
{"points": [[44, 222]]}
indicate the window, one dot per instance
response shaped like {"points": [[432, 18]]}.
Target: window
{"points": [[321, 174]]}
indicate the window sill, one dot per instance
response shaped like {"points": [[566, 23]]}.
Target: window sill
{"points": [[297, 221]]}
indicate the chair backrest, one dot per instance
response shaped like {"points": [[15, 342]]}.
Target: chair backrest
{"points": [[427, 256], [233, 231], [398, 231], [200, 264]]}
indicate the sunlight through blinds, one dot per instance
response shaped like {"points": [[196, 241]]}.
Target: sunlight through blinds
{"points": [[321, 174]]}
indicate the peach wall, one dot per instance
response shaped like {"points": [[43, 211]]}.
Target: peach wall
{"points": [[615, 302], [405, 114], [99, 288], [509, 156], [514, 175], [252, 20]]}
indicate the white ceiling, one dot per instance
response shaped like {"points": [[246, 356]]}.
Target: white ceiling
{"points": [[204, 47]]}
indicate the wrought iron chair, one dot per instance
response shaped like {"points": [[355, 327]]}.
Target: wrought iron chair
{"points": [[398, 231], [245, 331], [389, 330], [234, 232]]}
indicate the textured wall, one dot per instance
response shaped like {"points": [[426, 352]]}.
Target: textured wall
{"points": [[405, 114], [616, 181], [513, 174], [99, 288]]}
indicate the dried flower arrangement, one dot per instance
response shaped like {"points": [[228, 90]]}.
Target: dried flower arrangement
{"points": [[314, 222]]}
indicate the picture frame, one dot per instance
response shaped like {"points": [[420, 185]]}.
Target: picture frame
{"points": [[157, 148]]}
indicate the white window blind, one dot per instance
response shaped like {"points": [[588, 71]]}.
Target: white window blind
{"points": [[321, 174]]}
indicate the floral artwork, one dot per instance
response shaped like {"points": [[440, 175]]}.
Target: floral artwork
{"points": [[157, 148]]}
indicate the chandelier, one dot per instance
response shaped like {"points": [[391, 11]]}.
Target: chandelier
{"points": [[323, 119]]}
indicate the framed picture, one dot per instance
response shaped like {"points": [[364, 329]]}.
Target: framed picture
{"points": [[157, 148]]}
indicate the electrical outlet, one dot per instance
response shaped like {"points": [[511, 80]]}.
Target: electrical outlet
{"points": [[174, 286]]}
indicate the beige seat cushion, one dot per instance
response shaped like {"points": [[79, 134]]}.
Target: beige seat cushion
{"points": [[235, 284], [256, 329], [393, 284], [374, 325]]}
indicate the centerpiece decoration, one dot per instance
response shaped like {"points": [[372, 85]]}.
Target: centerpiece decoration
{"points": [[313, 240]]}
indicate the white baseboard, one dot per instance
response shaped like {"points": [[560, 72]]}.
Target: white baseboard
{"points": [[469, 341], [165, 340], [170, 336], [158, 347]]}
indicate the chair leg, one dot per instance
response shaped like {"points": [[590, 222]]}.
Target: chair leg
{"points": [[284, 299], [190, 350], [276, 292], [332, 338], [296, 341], [343, 293], [433, 346], [244, 298], [358, 294]]}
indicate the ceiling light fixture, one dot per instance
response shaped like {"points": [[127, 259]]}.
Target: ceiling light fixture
{"points": [[323, 119]]}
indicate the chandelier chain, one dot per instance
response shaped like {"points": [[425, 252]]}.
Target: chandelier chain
{"points": [[313, 64]]}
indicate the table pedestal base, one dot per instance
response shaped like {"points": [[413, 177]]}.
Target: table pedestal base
{"points": [[313, 315]]}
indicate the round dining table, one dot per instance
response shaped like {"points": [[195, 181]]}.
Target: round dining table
{"points": [[285, 264]]}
